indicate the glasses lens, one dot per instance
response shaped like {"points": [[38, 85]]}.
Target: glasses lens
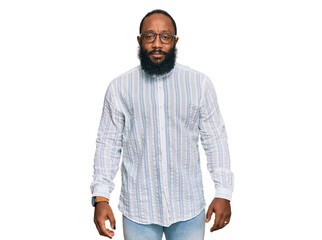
{"points": [[166, 37], [148, 37]]}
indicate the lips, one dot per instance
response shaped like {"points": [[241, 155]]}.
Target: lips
{"points": [[157, 53]]}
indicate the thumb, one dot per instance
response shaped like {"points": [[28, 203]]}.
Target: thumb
{"points": [[112, 221], [209, 213]]}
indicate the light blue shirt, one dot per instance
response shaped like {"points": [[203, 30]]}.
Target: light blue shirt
{"points": [[156, 122]]}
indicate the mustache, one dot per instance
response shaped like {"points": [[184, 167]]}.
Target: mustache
{"points": [[157, 51]]}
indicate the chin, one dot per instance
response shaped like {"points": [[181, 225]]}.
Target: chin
{"points": [[157, 60]]}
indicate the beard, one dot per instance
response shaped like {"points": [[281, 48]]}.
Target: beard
{"points": [[152, 68]]}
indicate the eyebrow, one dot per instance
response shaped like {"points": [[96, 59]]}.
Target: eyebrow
{"points": [[168, 31]]}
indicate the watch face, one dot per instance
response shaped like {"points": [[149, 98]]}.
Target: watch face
{"points": [[93, 201]]}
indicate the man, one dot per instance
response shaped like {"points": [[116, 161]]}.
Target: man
{"points": [[155, 113]]}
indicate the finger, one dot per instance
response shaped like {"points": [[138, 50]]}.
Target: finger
{"points": [[99, 228], [208, 215], [226, 222], [223, 223], [226, 219], [104, 231], [218, 219]]}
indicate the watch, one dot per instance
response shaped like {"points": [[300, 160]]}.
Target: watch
{"points": [[97, 199]]}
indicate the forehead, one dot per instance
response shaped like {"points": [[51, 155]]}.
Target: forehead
{"points": [[158, 23]]}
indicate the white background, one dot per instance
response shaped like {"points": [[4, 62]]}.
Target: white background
{"points": [[58, 57]]}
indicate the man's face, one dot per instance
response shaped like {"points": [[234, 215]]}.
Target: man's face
{"points": [[157, 23]]}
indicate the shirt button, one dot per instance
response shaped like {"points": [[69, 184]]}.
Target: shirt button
{"points": [[162, 129], [161, 107]]}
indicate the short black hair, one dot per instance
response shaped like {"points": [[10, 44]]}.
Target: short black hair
{"points": [[162, 12]]}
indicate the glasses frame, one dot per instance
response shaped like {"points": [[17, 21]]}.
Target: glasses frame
{"points": [[155, 36]]}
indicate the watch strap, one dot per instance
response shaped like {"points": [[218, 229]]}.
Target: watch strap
{"points": [[97, 199], [101, 199]]}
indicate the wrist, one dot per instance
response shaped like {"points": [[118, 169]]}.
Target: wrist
{"points": [[99, 199]]}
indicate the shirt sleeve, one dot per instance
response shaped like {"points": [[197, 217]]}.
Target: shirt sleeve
{"points": [[214, 141], [108, 146]]}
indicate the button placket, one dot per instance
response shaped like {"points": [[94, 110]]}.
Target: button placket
{"points": [[163, 148]]}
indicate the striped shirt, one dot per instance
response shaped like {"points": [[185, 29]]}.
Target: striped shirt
{"points": [[156, 121]]}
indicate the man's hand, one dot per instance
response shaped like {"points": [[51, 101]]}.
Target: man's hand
{"points": [[103, 212], [221, 208]]}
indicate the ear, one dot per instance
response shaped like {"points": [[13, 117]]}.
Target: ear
{"points": [[177, 38], [139, 39]]}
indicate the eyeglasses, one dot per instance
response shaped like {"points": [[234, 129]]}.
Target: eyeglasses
{"points": [[165, 38]]}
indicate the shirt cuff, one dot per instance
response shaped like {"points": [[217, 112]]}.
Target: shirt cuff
{"points": [[96, 193], [223, 193]]}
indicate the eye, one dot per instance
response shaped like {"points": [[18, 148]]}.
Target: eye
{"points": [[166, 36], [148, 36]]}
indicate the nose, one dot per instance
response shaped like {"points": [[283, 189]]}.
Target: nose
{"points": [[157, 42]]}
